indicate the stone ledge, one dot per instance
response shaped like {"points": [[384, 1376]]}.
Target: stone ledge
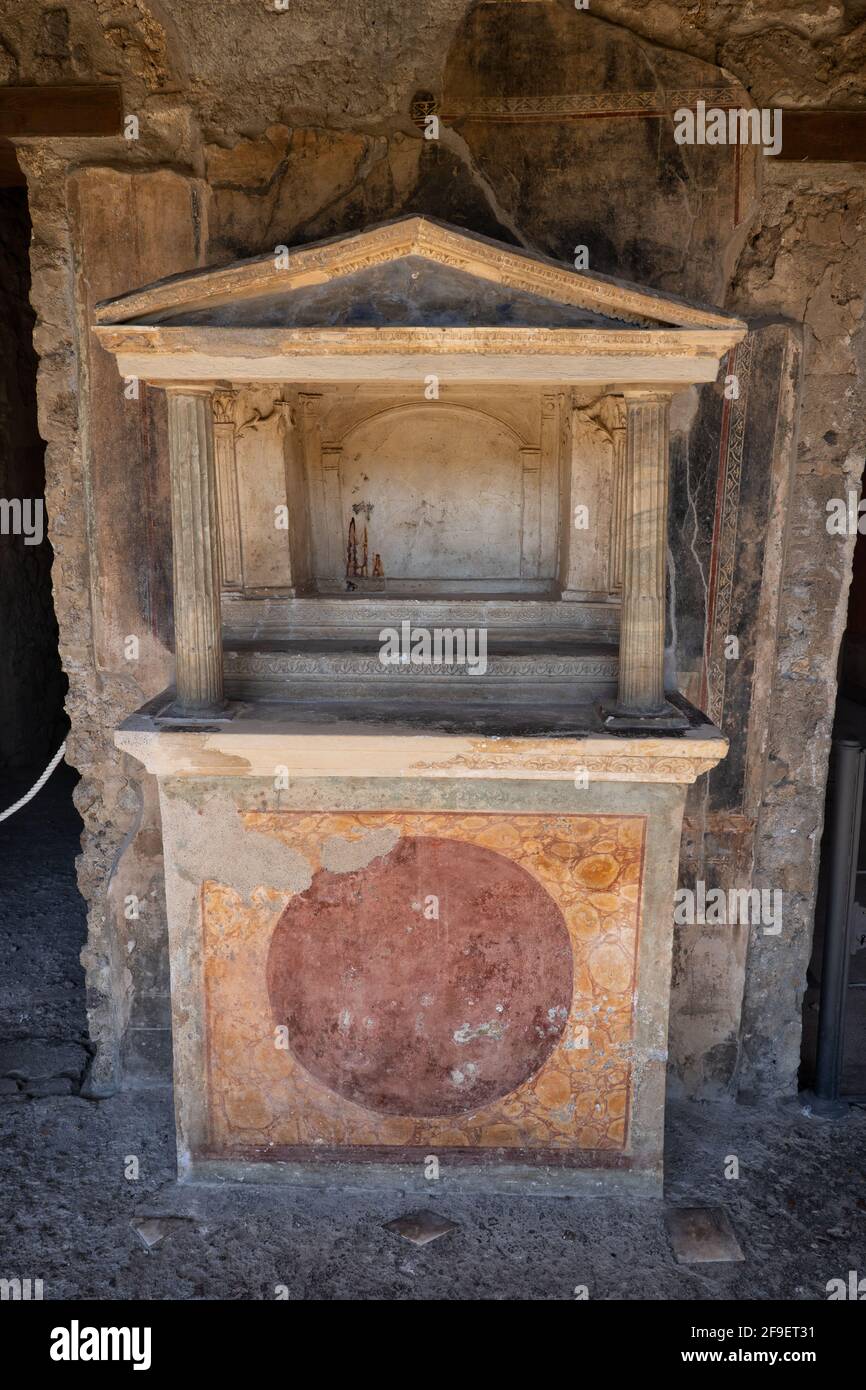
{"points": [[314, 743]]}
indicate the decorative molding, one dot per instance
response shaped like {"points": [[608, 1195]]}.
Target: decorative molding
{"points": [[355, 341], [550, 441], [612, 768], [179, 356], [272, 619], [617, 516], [415, 236], [356, 422], [224, 406], [260, 417], [324, 557], [332, 514], [287, 416], [607, 416], [724, 557], [586, 559], [367, 666], [370, 749], [296, 493], [606, 413], [647, 102], [530, 530]]}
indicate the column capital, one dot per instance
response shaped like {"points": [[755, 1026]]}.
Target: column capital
{"points": [[192, 388], [648, 394], [224, 400]]}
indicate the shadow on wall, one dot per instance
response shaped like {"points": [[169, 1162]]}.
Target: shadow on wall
{"points": [[556, 128]]}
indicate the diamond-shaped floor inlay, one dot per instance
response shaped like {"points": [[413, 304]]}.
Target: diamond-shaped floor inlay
{"points": [[421, 1226], [702, 1235]]}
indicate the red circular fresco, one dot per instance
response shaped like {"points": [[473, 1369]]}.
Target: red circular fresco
{"points": [[409, 1014]]}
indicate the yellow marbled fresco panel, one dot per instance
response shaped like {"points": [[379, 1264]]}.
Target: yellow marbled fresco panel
{"points": [[447, 980]]}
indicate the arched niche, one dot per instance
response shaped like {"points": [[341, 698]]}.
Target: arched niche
{"points": [[448, 495]]}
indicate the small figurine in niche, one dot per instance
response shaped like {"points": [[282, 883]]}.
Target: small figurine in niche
{"points": [[352, 552], [356, 570]]}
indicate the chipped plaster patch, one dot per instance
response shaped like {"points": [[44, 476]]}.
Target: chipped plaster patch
{"points": [[342, 855], [493, 1030], [205, 829], [466, 1075]]}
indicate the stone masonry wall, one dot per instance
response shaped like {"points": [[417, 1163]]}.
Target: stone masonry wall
{"points": [[805, 260], [270, 126]]}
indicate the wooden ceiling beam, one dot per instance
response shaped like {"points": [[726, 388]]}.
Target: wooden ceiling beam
{"points": [[837, 137], [60, 111]]}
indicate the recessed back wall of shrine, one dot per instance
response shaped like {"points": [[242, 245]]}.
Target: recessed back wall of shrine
{"points": [[555, 133]]}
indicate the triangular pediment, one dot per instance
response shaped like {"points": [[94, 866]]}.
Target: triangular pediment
{"points": [[411, 273]]}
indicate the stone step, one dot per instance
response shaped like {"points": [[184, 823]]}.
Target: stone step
{"points": [[351, 616], [520, 671]]}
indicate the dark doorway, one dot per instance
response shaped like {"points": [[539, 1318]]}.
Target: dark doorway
{"points": [[32, 685], [834, 1052], [42, 915]]}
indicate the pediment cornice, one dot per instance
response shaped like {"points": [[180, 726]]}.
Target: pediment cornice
{"points": [[507, 267]]}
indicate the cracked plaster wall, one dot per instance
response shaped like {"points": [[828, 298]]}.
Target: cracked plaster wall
{"points": [[296, 125], [806, 261]]}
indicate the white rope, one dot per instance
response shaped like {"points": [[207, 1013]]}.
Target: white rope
{"points": [[37, 786]]}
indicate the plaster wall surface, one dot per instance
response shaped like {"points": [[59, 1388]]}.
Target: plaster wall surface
{"points": [[464, 522]]}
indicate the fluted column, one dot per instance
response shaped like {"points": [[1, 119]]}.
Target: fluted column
{"points": [[617, 521], [641, 699], [194, 524], [229, 529]]}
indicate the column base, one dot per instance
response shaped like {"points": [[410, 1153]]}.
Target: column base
{"points": [[180, 713], [667, 718]]}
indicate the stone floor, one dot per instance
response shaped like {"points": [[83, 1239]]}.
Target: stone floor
{"points": [[69, 1205]]}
